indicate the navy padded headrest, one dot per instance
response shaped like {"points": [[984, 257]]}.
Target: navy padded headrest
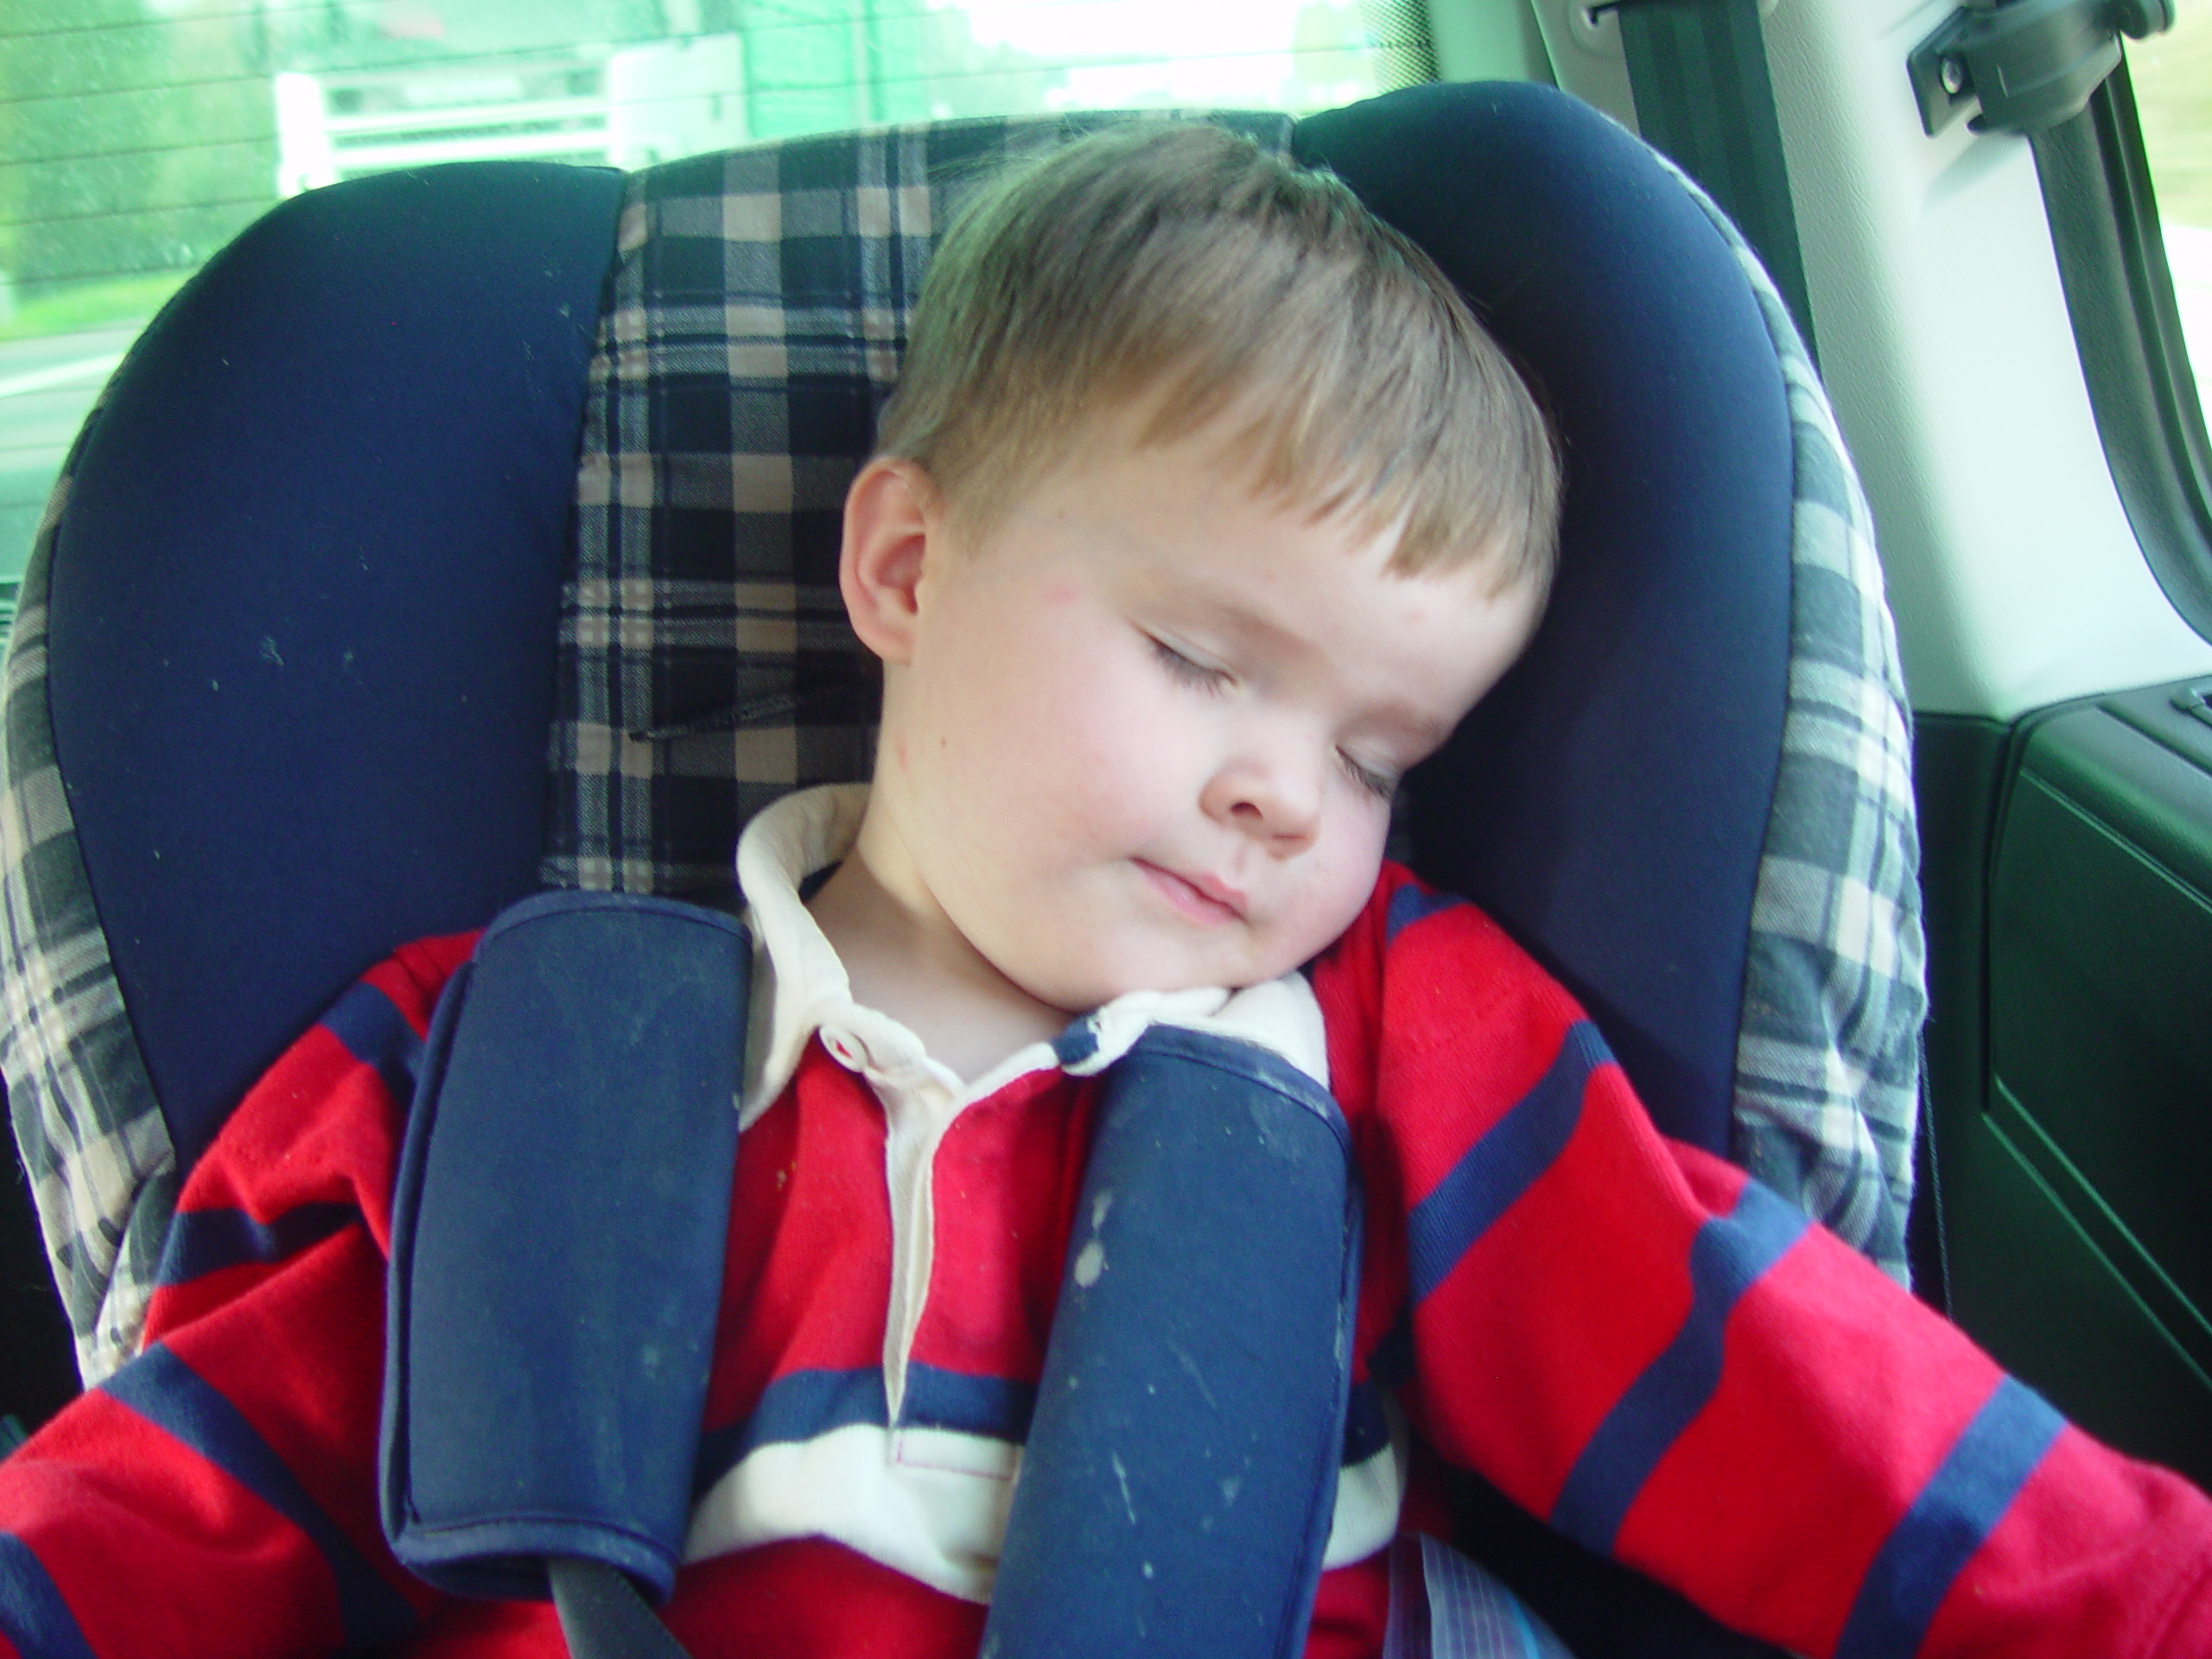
{"points": [[303, 601], [1638, 738]]}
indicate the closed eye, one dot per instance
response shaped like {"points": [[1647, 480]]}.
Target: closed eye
{"points": [[1380, 785], [1185, 670]]}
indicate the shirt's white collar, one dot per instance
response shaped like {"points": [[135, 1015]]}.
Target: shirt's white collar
{"points": [[800, 986]]}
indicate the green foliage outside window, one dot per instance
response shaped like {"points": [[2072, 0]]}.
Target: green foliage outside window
{"points": [[137, 136], [2173, 78], [129, 144]]}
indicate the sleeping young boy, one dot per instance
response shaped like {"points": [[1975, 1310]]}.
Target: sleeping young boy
{"points": [[1205, 510]]}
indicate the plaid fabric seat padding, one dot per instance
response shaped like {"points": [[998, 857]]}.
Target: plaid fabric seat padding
{"points": [[1828, 1060], [102, 1174]]}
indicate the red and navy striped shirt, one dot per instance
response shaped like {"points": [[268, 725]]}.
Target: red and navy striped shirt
{"points": [[1629, 1337]]}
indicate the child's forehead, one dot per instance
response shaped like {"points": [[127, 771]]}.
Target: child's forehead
{"points": [[1191, 513], [1124, 447]]}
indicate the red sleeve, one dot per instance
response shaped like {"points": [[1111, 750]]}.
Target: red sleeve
{"points": [[1637, 1342], [216, 1493]]}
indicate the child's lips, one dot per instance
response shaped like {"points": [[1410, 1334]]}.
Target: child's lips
{"points": [[1201, 898]]}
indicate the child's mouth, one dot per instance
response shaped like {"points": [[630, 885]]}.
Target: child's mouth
{"points": [[1202, 899]]}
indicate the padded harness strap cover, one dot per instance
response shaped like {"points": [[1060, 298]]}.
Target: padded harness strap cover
{"points": [[557, 1252], [1180, 1476], [557, 1243]]}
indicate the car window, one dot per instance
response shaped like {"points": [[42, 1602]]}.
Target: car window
{"points": [[136, 136], [2172, 75]]}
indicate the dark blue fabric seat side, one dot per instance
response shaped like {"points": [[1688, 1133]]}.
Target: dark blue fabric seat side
{"points": [[304, 602], [1638, 741]]}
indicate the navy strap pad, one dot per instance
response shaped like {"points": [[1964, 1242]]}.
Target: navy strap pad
{"points": [[557, 1252], [558, 1234], [1179, 1479]]}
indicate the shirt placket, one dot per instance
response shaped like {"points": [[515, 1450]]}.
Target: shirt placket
{"points": [[920, 1100]]}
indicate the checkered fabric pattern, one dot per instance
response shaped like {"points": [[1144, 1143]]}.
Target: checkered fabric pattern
{"points": [[757, 317], [755, 323], [1828, 1060], [95, 1147]]}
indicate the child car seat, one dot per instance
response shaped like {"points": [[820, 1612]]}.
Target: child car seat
{"points": [[326, 566]]}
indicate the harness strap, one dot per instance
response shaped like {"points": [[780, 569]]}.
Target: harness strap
{"points": [[1180, 1474], [603, 1616], [558, 1241], [558, 1233]]}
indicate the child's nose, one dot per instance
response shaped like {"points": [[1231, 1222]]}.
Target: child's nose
{"points": [[1274, 796]]}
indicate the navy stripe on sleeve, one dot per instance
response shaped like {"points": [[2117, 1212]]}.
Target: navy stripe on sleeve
{"points": [[32, 1616], [377, 1034], [174, 1397], [1728, 1257], [1504, 1164], [202, 1242], [1956, 1512], [1412, 902]]}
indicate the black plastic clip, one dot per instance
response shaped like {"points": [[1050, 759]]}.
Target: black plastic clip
{"points": [[2195, 698], [2030, 64]]}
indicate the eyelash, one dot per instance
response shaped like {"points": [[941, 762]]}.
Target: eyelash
{"points": [[1383, 789], [1191, 673], [1200, 677]]}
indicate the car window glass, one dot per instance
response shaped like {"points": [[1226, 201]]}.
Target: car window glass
{"points": [[2172, 77], [136, 136]]}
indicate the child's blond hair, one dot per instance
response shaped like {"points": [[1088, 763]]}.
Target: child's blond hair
{"points": [[1185, 274]]}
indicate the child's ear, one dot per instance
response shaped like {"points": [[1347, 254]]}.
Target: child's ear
{"points": [[890, 512]]}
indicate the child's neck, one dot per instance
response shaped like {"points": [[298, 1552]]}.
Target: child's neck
{"points": [[909, 961]]}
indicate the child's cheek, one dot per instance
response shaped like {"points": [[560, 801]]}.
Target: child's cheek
{"points": [[1121, 741], [1350, 861]]}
